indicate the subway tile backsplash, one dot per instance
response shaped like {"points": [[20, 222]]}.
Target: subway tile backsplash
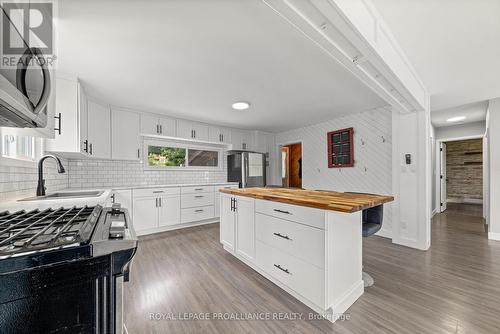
{"points": [[18, 182]]}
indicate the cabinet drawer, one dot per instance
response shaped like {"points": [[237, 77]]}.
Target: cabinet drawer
{"points": [[197, 189], [300, 214], [303, 278], [147, 192], [301, 241], [196, 214], [226, 186], [194, 200]]}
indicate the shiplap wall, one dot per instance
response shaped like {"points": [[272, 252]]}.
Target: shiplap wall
{"points": [[372, 171]]}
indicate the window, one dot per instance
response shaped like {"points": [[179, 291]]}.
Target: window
{"points": [[18, 147], [177, 155], [340, 148]]}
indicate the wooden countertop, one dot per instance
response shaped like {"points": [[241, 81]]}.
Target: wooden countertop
{"points": [[326, 200]]}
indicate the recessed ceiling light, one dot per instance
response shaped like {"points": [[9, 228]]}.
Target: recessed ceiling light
{"points": [[241, 105], [456, 119]]}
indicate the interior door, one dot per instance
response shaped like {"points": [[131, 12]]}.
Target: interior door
{"points": [[285, 167], [170, 210], [443, 177]]}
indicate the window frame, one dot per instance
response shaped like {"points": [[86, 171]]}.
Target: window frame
{"points": [[20, 162], [187, 147]]}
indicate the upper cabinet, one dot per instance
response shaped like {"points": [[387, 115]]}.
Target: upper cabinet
{"points": [[98, 132], [125, 137], [242, 140], [155, 125], [71, 124], [192, 130], [219, 135]]}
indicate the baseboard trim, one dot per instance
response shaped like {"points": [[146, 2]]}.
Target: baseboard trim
{"points": [[411, 243], [494, 236], [384, 233], [177, 226]]}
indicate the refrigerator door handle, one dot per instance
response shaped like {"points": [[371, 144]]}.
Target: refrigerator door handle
{"points": [[244, 170]]}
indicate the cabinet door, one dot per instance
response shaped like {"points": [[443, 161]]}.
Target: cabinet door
{"points": [[226, 135], [245, 227], [247, 141], [227, 221], [145, 213], [150, 124], [214, 134], [99, 132], [125, 135], [200, 131], [236, 139], [170, 210], [83, 120], [167, 126], [185, 129]]}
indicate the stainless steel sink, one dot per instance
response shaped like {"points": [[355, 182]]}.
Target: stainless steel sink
{"points": [[65, 195]]}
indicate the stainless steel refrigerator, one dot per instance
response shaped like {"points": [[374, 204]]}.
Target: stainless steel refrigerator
{"points": [[247, 168]]}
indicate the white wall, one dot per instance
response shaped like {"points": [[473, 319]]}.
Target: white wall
{"points": [[433, 168], [494, 168], [372, 154], [461, 131]]}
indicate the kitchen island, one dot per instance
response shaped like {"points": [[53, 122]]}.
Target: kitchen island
{"points": [[307, 242]]}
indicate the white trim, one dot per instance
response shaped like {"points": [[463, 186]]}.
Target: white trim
{"points": [[289, 142], [153, 231], [384, 233], [434, 212], [494, 236]]}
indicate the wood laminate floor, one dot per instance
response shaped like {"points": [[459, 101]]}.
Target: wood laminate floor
{"points": [[452, 288]]}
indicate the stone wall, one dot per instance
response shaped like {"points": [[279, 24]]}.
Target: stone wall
{"points": [[464, 169]]}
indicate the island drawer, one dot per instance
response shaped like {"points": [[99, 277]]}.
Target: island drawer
{"points": [[300, 214], [197, 213], [150, 192], [197, 189], [302, 277], [301, 241], [200, 199]]}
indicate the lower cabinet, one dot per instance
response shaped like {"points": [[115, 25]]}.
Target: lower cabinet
{"points": [[218, 195], [155, 208], [237, 225]]}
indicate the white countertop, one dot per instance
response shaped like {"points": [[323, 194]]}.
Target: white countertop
{"points": [[16, 205]]}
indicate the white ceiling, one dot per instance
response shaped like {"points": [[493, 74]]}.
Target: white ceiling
{"points": [[473, 112], [193, 59], [453, 44]]}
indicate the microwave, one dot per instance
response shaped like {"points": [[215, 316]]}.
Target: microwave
{"points": [[24, 89]]}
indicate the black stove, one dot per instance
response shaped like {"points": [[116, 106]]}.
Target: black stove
{"points": [[62, 269]]}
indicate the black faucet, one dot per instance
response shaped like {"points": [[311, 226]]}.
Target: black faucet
{"points": [[40, 190]]}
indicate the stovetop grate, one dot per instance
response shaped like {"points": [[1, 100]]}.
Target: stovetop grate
{"points": [[26, 231]]}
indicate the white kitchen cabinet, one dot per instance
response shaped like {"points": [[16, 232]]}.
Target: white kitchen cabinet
{"points": [[71, 125], [237, 225], [125, 143], [99, 134], [145, 214], [219, 135], [227, 221], [169, 210], [218, 196], [156, 125], [192, 130], [245, 227], [242, 140]]}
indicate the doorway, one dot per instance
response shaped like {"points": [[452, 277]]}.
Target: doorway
{"points": [[461, 176], [291, 165]]}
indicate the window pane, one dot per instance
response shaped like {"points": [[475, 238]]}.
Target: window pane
{"points": [[166, 156], [18, 147], [202, 158]]}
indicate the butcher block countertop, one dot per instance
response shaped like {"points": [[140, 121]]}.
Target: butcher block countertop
{"points": [[326, 200]]}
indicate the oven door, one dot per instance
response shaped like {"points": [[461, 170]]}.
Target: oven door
{"points": [[24, 88]]}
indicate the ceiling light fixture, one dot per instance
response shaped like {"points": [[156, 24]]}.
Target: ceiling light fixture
{"points": [[241, 105], [456, 119]]}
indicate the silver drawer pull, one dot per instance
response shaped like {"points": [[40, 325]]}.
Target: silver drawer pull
{"points": [[282, 269], [199, 196], [282, 211], [158, 192], [199, 210], [198, 189], [282, 236]]}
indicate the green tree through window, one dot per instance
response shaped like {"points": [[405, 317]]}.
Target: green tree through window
{"points": [[166, 156]]}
